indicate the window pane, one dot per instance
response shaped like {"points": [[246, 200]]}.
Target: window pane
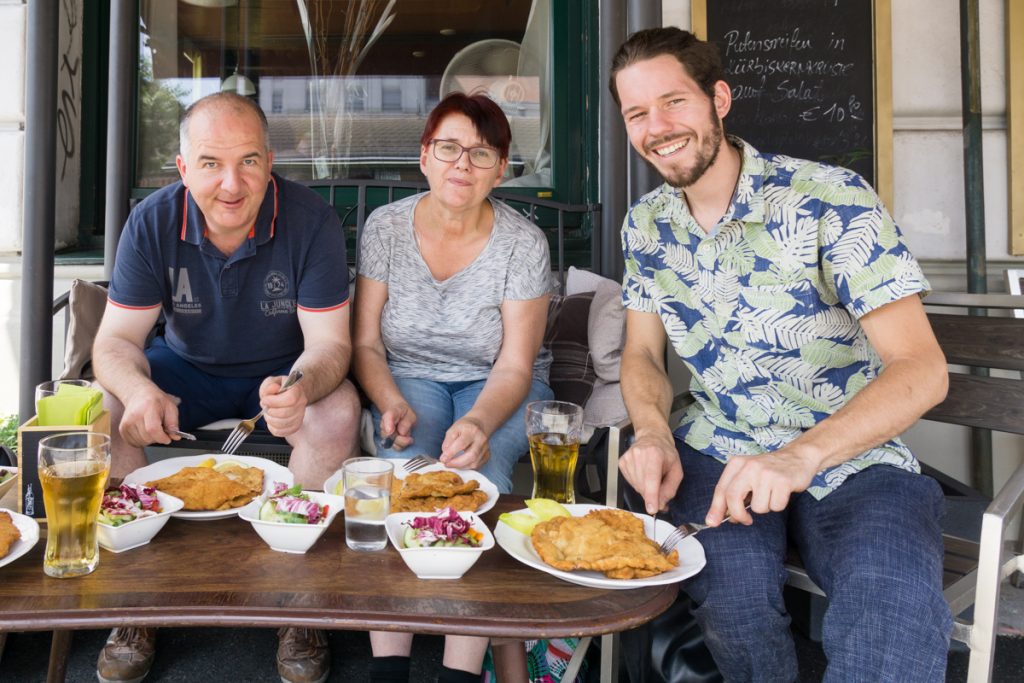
{"points": [[346, 84]]}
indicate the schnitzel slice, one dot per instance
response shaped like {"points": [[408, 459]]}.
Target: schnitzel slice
{"points": [[436, 484], [432, 491], [9, 534], [203, 488], [465, 502], [609, 541]]}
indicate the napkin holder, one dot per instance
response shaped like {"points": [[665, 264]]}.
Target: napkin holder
{"points": [[30, 493]]}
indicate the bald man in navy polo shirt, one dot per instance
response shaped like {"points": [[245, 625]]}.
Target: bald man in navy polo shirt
{"points": [[249, 270]]}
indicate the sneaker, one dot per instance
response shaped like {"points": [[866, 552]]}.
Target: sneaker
{"points": [[127, 656], [302, 655]]}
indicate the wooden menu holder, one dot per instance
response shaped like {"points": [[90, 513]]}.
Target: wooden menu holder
{"points": [[30, 493]]}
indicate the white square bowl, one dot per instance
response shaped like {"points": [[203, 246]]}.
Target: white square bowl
{"points": [[292, 538], [138, 532], [441, 562]]}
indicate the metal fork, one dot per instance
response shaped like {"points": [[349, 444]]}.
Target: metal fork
{"points": [[419, 462], [245, 427], [685, 530]]}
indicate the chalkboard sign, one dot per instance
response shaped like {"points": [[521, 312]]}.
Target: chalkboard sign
{"points": [[803, 78]]}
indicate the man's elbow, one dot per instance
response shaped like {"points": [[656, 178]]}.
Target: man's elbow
{"points": [[938, 383]]}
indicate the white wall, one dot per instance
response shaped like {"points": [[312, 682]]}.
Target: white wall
{"points": [[12, 122]]}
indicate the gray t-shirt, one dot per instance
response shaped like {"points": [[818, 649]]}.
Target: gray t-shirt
{"points": [[451, 331]]}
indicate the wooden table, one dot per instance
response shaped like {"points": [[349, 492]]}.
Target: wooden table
{"points": [[220, 573]]}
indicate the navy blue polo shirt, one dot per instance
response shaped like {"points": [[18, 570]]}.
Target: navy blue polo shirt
{"points": [[233, 316]]}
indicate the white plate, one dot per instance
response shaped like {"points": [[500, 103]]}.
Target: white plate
{"points": [[691, 554], [29, 529], [272, 472], [486, 485]]}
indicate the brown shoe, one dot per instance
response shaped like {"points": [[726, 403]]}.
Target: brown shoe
{"points": [[302, 655], [127, 656]]}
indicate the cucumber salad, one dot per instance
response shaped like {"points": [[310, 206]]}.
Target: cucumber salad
{"points": [[443, 529], [291, 506], [128, 502]]}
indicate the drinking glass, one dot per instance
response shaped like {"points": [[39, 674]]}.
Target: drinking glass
{"points": [[367, 484], [47, 389], [554, 429], [73, 469]]}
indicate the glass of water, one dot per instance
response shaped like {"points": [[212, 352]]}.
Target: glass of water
{"points": [[367, 484]]}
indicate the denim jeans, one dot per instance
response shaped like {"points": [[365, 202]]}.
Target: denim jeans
{"points": [[874, 546], [439, 404]]}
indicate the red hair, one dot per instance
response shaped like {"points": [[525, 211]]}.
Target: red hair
{"points": [[487, 117]]}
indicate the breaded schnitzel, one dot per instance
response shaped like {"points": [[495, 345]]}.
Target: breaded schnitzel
{"points": [[608, 541], [203, 488], [434, 490], [9, 534]]}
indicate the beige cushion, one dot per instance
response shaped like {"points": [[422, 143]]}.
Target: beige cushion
{"points": [[605, 406], [606, 327], [85, 310]]}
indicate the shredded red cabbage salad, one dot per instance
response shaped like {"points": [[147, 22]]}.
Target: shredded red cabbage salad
{"points": [[445, 525], [129, 502], [294, 501]]}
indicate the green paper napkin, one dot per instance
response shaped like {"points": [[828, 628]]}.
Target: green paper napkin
{"points": [[71, 405]]}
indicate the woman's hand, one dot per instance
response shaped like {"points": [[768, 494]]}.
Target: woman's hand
{"points": [[465, 445], [398, 420]]}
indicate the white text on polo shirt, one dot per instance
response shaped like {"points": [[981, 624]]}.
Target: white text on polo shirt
{"points": [[182, 298], [278, 307]]}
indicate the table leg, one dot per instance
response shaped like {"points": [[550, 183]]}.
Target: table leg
{"points": [[60, 648], [509, 661]]}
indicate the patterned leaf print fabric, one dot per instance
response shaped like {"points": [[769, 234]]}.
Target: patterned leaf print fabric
{"points": [[764, 308]]}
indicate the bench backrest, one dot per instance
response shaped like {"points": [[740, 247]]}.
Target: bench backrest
{"points": [[975, 341]]}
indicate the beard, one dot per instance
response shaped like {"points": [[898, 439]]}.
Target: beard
{"points": [[705, 155]]}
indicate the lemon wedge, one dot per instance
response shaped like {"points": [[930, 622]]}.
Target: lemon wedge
{"points": [[339, 488], [373, 507], [228, 465], [545, 508], [520, 522], [209, 462]]}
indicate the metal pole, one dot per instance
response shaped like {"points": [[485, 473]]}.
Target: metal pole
{"points": [[40, 212], [642, 176], [974, 203], [613, 160], [120, 105]]}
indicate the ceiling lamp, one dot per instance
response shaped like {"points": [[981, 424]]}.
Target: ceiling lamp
{"points": [[212, 3], [238, 83]]}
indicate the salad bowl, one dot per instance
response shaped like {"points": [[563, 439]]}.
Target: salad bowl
{"points": [[437, 562], [289, 537], [137, 532]]}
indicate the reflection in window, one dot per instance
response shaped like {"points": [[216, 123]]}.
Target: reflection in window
{"points": [[346, 84]]}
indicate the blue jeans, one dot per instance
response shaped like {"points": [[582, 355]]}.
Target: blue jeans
{"points": [[874, 546], [439, 404], [205, 398]]}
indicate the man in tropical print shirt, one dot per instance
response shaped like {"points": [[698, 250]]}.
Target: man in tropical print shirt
{"points": [[788, 291]]}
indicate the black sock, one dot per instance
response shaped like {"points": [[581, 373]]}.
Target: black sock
{"points": [[389, 670], [456, 676]]}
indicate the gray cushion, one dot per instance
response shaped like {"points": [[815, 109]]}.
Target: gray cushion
{"points": [[572, 374], [86, 304]]}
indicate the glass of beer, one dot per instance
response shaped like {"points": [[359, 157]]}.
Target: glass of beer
{"points": [[73, 469], [367, 483], [554, 429]]}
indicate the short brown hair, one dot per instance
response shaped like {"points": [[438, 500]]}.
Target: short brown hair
{"points": [[487, 117], [700, 59]]}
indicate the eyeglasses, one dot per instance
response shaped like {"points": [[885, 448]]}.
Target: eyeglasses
{"points": [[449, 152]]}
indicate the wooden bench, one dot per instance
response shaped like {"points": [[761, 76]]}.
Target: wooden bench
{"points": [[976, 341]]}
